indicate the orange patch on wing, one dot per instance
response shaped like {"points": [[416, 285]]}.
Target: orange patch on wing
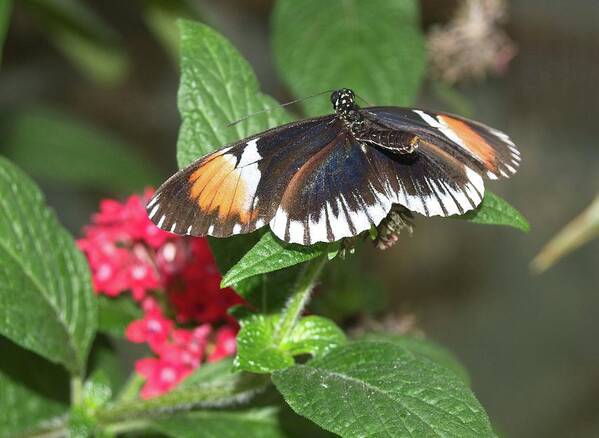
{"points": [[218, 185], [473, 141]]}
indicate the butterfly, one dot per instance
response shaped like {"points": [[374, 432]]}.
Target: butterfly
{"points": [[325, 178]]}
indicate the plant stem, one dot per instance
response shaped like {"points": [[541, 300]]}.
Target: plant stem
{"points": [[76, 390], [298, 300], [131, 388], [222, 393]]}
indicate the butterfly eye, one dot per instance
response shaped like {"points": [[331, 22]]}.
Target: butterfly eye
{"points": [[334, 97]]}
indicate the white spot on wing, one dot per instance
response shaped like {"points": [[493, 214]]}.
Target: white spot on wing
{"points": [[154, 210], [446, 130], [475, 179], [491, 175], [318, 228], [188, 230], [278, 224], [173, 227], [161, 221], [296, 232], [236, 229], [211, 229], [250, 153], [153, 201]]}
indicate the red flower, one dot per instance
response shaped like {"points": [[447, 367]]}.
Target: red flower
{"points": [[153, 329], [128, 253], [225, 344], [161, 375]]}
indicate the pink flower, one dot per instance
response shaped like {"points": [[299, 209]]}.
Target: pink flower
{"points": [[119, 245], [225, 345], [128, 253], [161, 375]]}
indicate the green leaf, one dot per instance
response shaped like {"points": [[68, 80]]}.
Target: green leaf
{"points": [[349, 289], [314, 335], [5, 8], [381, 389], [115, 314], [161, 17], [217, 87], [268, 292], [375, 47], [32, 390], [259, 352], [83, 37], [425, 348], [271, 254], [256, 351], [496, 211], [104, 360], [46, 300], [105, 64], [76, 153], [258, 422]]}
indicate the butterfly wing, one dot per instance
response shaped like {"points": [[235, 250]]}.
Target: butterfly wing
{"points": [[484, 149], [226, 192], [336, 193]]}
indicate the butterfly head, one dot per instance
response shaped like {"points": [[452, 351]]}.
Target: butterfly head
{"points": [[343, 100]]}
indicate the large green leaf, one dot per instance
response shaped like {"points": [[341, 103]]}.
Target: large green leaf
{"points": [[32, 390], [271, 254], [496, 211], [381, 389], [46, 300], [260, 351], [217, 87], [375, 47], [251, 423], [426, 348], [76, 153], [5, 7]]}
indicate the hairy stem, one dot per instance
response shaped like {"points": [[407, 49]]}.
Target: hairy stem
{"points": [[222, 393], [298, 300]]}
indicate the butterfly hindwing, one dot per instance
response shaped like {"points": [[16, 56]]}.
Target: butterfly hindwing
{"points": [[336, 193]]}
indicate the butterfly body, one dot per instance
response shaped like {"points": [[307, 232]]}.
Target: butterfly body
{"points": [[330, 177]]}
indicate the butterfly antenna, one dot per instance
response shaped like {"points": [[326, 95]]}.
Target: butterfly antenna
{"points": [[362, 99], [291, 102]]}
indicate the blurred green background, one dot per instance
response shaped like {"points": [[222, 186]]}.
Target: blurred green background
{"points": [[96, 81]]}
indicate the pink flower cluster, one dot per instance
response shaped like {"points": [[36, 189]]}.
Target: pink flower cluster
{"points": [[127, 253]]}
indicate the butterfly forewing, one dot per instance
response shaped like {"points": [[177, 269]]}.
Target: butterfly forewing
{"points": [[487, 150], [237, 189]]}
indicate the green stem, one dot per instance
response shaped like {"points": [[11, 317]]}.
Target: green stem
{"points": [[131, 388], [182, 400], [76, 390], [298, 300]]}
